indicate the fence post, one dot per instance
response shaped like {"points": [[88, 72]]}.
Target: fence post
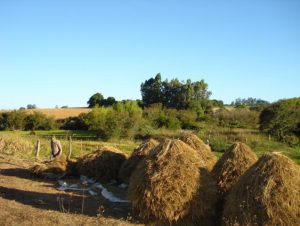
{"points": [[37, 149], [70, 148]]}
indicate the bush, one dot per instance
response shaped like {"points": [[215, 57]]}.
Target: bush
{"points": [[282, 120], [237, 118], [39, 121]]}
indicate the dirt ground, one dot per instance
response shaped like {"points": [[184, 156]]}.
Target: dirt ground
{"points": [[26, 200]]}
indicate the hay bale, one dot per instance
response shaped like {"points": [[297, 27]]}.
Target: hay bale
{"points": [[235, 161], [267, 194], [171, 185], [204, 150], [54, 169], [103, 164], [137, 155]]}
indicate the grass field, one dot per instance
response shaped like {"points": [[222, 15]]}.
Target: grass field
{"points": [[219, 139]]}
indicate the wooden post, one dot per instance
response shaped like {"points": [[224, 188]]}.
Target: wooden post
{"points": [[70, 148], [37, 149]]}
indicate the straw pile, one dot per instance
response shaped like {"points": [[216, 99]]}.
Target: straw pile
{"points": [[267, 194], [137, 155], [235, 161], [54, 169], [13, 144], [172, 186], [204, 150], [103, 164]]}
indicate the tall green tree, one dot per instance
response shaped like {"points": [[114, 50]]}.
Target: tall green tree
{"points": [[95, 100], [151, 90]]}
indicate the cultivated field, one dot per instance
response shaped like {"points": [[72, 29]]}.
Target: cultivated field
{"points": [[58, 113]]}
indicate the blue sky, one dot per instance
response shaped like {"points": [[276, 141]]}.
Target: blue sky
{"points": [[60, 52]]}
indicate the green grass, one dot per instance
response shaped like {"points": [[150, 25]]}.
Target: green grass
{"points": [[220, 139]]}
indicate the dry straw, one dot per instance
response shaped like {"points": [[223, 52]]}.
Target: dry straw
{"points": [[137, 155], [235, 161], [51, 169], [103, 164], [204, 150], [267, 194], [172, 186]]}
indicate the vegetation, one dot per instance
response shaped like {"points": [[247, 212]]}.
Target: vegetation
{"points": [[282, 120]]}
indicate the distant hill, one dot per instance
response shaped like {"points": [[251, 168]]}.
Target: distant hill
{"points": [[58, 113]]}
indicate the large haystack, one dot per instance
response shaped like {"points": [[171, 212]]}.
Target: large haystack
{"points": [[137, 155], [204, 150], [267, 194], [54, 169], [103, 164], [171, 185], [235, 161]]}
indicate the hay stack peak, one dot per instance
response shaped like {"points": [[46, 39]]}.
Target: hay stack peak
{"points": [[267, 194], [172, 185], [204, 150], [137, 155], [235, 161]]}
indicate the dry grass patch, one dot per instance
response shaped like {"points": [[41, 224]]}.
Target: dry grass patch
{"points": [[267, 194]]}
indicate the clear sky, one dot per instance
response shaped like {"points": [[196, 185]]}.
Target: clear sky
{"points": [[60, 52]]}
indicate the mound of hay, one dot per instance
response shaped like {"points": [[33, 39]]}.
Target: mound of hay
{"points": [[51, 169], [137, 155], [267, 194], [171, 185], [235, 161], [204, 150], [14, 144], [103, 164]]}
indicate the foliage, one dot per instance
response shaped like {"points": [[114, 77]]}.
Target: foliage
{"points": [[39, 121], [20, 120], [237, 118], [31, 106], [121, 120], [239, 102], [95, 100], [282, 120], [175, 94]]}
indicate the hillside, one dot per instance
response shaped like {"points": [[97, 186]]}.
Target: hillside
{"points": [[58, 113]]}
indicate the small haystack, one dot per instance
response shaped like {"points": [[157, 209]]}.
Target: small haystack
{"points": [[137, 155], [171, 185], [103, 164], [267, 194], [204, 150], [235, 161], [54, 169]]}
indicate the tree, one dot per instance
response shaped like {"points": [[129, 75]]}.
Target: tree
{"points": [[109, 101], [95, 100], [151, 90], [31, 106], [282, 120]]}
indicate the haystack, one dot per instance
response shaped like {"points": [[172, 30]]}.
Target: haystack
{"points": [[267, 194], [171, 185], [54, 169], [137, 155], [103, 164], [204, 150], [235, 161]]}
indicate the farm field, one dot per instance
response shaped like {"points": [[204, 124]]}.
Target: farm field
{"points": [[57, 113]]}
